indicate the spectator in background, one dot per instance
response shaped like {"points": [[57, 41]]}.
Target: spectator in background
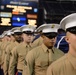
{"points": [[61, 42]]}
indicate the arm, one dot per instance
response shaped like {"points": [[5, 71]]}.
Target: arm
{"points": [[49, 71], [13, 61], [6, 60], [29, 64]]}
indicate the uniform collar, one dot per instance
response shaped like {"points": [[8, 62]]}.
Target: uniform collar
{"points": [[45, 48], [16, 42], [26, 45], [72, 59]]}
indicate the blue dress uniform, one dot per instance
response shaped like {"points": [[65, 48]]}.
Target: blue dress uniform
{"points": [[61, 43]]}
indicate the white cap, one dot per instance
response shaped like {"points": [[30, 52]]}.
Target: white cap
{"points": [[1, 36], [28, 28], [46, 28], [4, 33], [15, 29], [8, 32], [68, 21]]}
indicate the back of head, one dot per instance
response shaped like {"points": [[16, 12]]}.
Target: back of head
{"points": [[60, 31]]}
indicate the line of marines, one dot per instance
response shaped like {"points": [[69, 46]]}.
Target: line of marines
{"points": [[20, 54]]}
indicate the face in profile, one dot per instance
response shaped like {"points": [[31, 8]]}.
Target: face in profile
{"points": [[71, 39], [49, 42], [18, 37]]}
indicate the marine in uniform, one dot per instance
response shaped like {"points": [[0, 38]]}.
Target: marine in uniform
{"points": [[14, 42], [39, 58], [18, 54], [4, 44], [1, 52], [66, 65], [1, 37]]}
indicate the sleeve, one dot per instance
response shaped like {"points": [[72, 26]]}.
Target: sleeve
{"points": [[54, 69], [49, 71], [2, 62], [6, 60], [13, 61], [29, 64], [37, 42]]}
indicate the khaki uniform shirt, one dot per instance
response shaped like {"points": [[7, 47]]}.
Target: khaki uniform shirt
{"points": [[18, 57], [3, 47], [37, 42], [7, 56], [38, 60], [64, 66], [0, 54]]}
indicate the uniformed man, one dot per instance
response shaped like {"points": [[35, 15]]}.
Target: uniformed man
{"points": [[15, 35], [1, 37], [18, 53], [5, 42], [67, 64], [1, 52], [39, 58], [37, 41]]}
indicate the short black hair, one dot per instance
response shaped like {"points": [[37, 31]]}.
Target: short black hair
{"points": [[60, 30], [71, 30]]}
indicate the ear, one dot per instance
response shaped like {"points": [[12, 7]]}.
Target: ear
{"points": [[42, 36], [67, 39]]}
